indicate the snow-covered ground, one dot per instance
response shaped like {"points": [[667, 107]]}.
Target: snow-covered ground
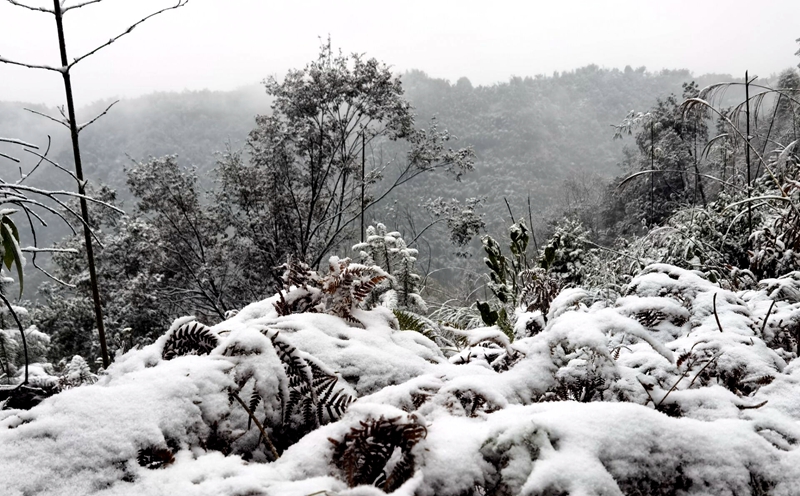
{"points": [[679, 387]]}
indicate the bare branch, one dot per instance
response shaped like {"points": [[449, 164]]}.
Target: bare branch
{"points": [[63, 112], [21, 200], [52, 277], [4, 60], [53, 194], [33, 249], [17, 142], [63, 123], [54, 164], [180, 4], [9, 157], [77, 6], [42, 159], [35, 9], [28, 213], [101, 114]]}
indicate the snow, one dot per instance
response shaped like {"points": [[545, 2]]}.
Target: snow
{"points": [[644, 395]]}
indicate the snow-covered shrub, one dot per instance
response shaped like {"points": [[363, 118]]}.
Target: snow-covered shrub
{"points": [[519, 286], [338, 292], [12, 357], [296, 392], [491, 420], [388, 251], [566, 253], [489, 346], [379, 452]]}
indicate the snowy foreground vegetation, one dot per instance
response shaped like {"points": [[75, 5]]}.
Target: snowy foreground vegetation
{"points": [[678, 387], [645, 344]]}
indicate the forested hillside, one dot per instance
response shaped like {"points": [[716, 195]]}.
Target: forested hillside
{"points": [[530, 135], [530, 132]]}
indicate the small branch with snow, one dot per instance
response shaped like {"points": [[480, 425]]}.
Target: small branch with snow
{"points": [[101, 114], [54, 164], [77, 6], [29, 7], [9, 157], [41, 160], [4, 60], [75, 61], [18, 142], [57, 121], [33, 249]]}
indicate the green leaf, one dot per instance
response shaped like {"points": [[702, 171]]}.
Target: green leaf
{"points": [[12, 254]]}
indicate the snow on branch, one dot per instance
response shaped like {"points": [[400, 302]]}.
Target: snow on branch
{"points": [[101, 114], [57, 121], [4, 60], [180, 3], [64, 10], [29, 7]]}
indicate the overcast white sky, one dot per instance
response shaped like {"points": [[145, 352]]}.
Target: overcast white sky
{"points": [[224, 44]]}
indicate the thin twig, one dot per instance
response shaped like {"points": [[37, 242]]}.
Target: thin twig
{"points": [[42, 114], [714, 359], [647, 391], [35, 9], [509, 209], [4, 60], [28, 213], [41, 159], [9, 157], [79, 5], [52, 194], [258, 424], [18, 142], [33, 249], [101, 114], [751, 407], [180, 3], [764, 325], [54, 164], [716, 317]]}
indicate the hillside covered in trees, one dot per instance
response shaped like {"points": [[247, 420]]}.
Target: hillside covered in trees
{"points": [[353, 282]]}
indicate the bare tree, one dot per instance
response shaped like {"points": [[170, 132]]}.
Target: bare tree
{"points": [[68, 120]]}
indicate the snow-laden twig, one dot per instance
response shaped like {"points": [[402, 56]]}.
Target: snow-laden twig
{"points": [[42, 114], [33, 249], [29, 7], [52, 194], [75, 61], [41, 159], [4, 60], [54, 164], [64, 10], [14, 141], [101, 114]]}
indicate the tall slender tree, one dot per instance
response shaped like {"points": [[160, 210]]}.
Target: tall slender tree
{"points": [[68, 120], [310, 154]]}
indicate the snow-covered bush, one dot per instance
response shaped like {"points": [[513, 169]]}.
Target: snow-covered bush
{"points": [[576, 408], [388, 251], [339, 292]]}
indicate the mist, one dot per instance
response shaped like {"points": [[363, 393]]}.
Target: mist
{"points": [[218, 45]]}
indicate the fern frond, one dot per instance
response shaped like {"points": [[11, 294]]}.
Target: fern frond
{"points": [[191, 338]]}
